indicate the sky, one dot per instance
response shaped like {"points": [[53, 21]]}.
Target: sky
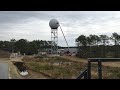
{"points": [[34, 25]]}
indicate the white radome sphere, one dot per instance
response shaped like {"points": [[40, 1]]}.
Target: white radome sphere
{"points": [[54, 24]]}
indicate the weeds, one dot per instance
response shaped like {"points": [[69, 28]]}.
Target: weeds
{"points": [[67, 71]]}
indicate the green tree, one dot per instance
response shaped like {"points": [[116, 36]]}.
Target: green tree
{"points": [[104, 41], [81, 40], [82, 43], [22, 46], [93, 40], [116, 39], [12, 41]]}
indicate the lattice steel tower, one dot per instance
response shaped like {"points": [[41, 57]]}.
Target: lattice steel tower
{"points": [[54, 24]]}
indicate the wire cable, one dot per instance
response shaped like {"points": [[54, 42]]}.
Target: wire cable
{"points": [[64, 37]]}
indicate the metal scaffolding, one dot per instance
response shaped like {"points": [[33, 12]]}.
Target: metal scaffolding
{"points": [[54, 41]]}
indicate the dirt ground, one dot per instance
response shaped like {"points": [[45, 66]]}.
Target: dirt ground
{"points": [[35, 75], [76, 59], [14, 72], [4, 54]]}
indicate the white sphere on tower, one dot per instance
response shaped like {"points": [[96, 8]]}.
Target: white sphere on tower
{"points": [[54, 24]]}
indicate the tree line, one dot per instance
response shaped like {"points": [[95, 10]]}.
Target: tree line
{"points": [[25, 46], [98, 45]]}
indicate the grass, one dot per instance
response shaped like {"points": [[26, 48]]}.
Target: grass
{"points": [[107, 72], [58, 72], [69, 71], [54, 71], [111, 72]]}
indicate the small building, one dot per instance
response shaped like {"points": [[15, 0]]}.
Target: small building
{"points": [[60, 51], [72, 50]]}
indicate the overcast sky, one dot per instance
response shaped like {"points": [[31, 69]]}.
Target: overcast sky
{"points": [[34, 25]]}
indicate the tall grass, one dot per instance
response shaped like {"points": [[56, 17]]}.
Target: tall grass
{"points": [[70, 71]]}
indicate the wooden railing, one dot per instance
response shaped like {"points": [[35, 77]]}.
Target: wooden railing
{"points": [[83, 74], [87, 73]]}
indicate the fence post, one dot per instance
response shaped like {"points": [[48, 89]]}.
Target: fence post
{"points": [[99, 70], [85, 76], [89, 69]]}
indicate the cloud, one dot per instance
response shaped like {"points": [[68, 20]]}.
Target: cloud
{"points": [[33, 25]]}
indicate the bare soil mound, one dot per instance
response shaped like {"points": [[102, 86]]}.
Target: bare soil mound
{"points": [[4, 54]]}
